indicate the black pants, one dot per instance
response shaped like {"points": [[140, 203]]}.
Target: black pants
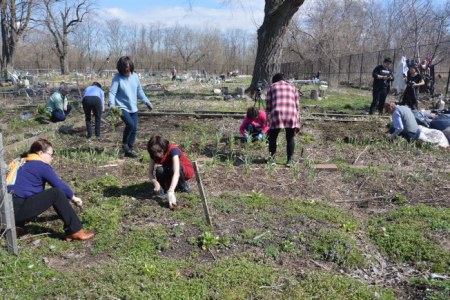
{"points": [[92, 104], [290, 143], [29, 208], [378, 100], [164, 176], [410, 98]]}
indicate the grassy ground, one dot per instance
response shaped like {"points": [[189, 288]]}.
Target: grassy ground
{"points": [[377, 232]]}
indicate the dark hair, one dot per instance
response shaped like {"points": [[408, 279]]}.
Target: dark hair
{"points": [[97, 84], [277, 77], [252, 112], [64, 89], [387, 60], [157, 144], [122, 64], [38, 145], [415, 68]]}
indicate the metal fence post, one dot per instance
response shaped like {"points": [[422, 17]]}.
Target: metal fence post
{"points": [[7, 221]]}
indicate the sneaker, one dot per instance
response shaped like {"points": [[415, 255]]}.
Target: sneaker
{"points": [[289, 163], [271, 160]]}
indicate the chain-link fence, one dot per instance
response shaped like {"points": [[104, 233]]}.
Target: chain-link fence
{"points": [[356, 69]]}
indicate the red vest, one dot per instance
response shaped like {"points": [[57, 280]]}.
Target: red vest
{"points": [[188, 169]]}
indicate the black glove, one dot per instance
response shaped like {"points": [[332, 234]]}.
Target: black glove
{"points": [[149, 106]]}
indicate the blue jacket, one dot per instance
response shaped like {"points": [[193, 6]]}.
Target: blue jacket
{"points": [[124, 92], [32, 177]]}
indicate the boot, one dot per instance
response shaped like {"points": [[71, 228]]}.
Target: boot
{"points": [[79, 235], [129, 151]]}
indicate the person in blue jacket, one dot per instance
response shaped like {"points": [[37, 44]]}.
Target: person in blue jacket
{"points": [[26, 179], [93, 104], [125, 90]]}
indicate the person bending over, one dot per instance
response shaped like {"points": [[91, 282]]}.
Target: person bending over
{"points": [[93, 104], [169, 168], [26, 179], [404, 123], [283, 109], [254, 124]]}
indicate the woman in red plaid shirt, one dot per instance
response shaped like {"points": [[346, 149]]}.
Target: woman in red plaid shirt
{"points": [[282, 108]]}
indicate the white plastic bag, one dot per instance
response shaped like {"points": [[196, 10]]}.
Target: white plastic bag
{"points": [[433, 136]]}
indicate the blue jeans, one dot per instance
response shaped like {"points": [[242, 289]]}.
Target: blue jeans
{"points": [[129, 133]]}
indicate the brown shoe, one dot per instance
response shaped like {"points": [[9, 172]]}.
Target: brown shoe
{"points": [[79, 235]]}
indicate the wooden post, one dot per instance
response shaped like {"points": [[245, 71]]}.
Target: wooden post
{"points": [[202, 194], [361, 70], [349, 68], [7, 213]]}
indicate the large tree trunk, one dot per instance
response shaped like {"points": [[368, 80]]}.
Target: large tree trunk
{"points": [[277, 15], [13, 22]]}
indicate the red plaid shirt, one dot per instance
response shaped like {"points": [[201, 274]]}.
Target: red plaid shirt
{"points": [[283, 105]]}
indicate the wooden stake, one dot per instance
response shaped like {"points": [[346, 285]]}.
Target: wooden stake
{"points": [[202, 194]]}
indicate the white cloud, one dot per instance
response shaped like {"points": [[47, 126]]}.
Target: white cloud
{"points": [[247, 16]]}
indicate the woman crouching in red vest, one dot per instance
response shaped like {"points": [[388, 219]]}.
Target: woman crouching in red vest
{"points": [[172, 170]]}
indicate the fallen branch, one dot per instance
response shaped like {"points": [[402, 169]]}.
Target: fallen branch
{"points": [[354, 162]]}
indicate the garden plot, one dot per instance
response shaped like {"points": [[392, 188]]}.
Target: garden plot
{"points": [[380, 231]]}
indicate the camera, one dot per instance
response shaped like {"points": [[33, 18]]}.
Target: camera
{"points": [[259, 86], [410, 83]]}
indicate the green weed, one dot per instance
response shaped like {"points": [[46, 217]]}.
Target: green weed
{"points": [[208, 240], [404, 235], [338, 247], [321, 212], [272, 251], [256, 200], [317, 285], [433, 289]]}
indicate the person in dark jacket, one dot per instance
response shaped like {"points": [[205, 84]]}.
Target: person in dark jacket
{"points": [[382, 77], [26, 181], [413, 82]]}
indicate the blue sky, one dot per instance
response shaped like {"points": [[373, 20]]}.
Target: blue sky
{"points": [[246, 15]]}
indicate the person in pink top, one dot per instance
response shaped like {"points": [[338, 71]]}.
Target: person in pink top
{"points": [[254, 124], [282, 108]]}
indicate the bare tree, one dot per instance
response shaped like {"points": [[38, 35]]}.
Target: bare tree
{"points": [[61, 18], [115, 38], [87, 44], [15, 16], [185, 44], [277, 15]]}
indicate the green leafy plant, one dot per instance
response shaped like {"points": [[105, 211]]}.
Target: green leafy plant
{"points": [[272, 251], [208, 240]]}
